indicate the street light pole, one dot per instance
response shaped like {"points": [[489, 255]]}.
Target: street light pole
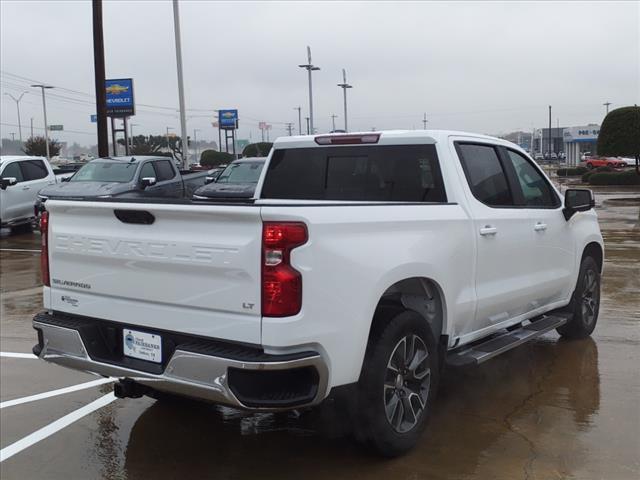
{"points": [[299, 119], [344, 85], [333, 121], [606, 104], [307, 119], [310, 68], [168, 147], [17, 100], [183, 118], [195, 142], [44, 110]]}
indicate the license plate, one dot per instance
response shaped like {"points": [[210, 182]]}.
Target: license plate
{"points": [[145, 346]]}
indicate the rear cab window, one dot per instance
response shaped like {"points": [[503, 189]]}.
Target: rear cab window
{"points": [[376, 173], [119, 172]]}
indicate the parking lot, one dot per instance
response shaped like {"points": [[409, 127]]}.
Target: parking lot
{"points": [[549, 409]]}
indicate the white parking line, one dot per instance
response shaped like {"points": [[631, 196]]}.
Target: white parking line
{"points": [[30, 356], [19, 250], [10, 450], [53, 393]]}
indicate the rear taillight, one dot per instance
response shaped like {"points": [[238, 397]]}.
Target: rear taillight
{"points": [[44, 249], [281, 283]]}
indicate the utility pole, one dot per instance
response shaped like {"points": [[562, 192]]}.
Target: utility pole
{"points": [[344, 85], [549, 149], [333, 121], [195, 143], [307, 119], [131, 125], [606, 104], [183, 113], [13, 136], [299, 119], [424, 120], [290, 128], [310, 68], [168, 147], [44, 110], [17, 100], [99, 78], [31, 127]]}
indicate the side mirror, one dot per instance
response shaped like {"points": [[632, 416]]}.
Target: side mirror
{"points": [[148, 182], [577, 200], [8, 182], [209, 179], [66, 179]]}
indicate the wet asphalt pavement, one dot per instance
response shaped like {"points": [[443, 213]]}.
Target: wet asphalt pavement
{"points": [[549, 409]]}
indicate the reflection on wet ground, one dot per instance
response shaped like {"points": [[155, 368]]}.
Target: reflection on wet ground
{"points": [[550, 409]]}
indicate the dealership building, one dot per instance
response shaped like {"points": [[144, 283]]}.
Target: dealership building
{"points": [[578, 140]]}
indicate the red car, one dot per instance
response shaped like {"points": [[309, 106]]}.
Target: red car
{"points": [[594, 162]]}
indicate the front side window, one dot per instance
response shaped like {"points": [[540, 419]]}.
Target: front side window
{"points": [[13, 171], [400, 173], [147, 171], [246, 172], [485, 174], [535, 190], [119, 172], [33, 169]]}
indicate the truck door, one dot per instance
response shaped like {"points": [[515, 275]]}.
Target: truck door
{"points": [[504, 240], [553, 248], [15, 199]]}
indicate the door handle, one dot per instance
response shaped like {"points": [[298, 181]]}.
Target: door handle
{"points": [[540, 227], [25, 188], [488, 230]]}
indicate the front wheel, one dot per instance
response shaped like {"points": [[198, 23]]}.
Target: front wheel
{"points": [[585, 303], [397, 385]]}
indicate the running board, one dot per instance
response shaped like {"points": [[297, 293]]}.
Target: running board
{"points": [[481, 352]]}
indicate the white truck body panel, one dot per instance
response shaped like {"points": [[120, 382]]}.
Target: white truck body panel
{"points": [[197, 269]]}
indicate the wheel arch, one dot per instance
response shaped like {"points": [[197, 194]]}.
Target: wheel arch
{"points": [[422, 295], [594, 250]]}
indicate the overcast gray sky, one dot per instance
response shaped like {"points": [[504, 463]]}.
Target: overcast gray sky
{"points": [[481, 66]]}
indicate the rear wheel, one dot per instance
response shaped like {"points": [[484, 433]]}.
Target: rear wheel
{"points": [[585, 303], [397, 385], [589, 166]]}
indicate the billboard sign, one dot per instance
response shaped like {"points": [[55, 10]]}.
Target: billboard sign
{"points": [[120, 97], [94, 118], [228, 119], [56, 128]]}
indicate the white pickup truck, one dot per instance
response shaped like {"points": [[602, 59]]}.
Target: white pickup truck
{"points": [[21, 178], [363, 264]]}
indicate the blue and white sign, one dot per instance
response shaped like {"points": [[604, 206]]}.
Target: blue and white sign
{"points": [[228, 119], [94, 118], [120, 97]]}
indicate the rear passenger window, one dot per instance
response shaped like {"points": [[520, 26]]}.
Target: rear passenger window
{"points": [[485, 174], [164, 170], [536, 191], [13, 171], [33, 169], [408, 173]]}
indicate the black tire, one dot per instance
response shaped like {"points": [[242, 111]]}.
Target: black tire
{"points": [[589, 166], [585, 302], [380, 389]]}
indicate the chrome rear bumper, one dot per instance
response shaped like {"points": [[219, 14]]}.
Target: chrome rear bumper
{"points": [[186, 373]]}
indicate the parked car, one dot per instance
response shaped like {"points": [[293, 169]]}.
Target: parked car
{"points": [[214, 173], [538, 157], [364, 263], [238, 180], [139, 176], [21, 177], [595, 162]]}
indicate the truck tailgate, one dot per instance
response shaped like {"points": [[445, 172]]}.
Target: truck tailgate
{"points": [[195, 269]]}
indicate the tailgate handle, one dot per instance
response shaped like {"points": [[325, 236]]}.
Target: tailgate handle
{"points": [[141, 217]]}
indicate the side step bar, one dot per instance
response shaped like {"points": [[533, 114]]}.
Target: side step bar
{"points": [[486, 350]]}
